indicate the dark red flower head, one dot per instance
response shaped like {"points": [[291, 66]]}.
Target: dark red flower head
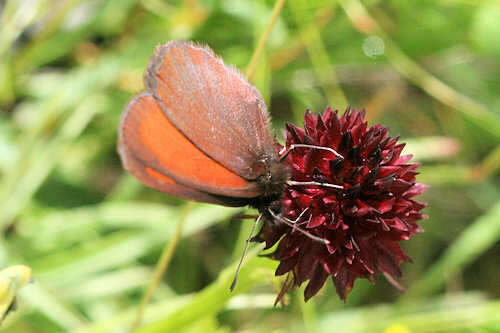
{"points": [[362, 219]]}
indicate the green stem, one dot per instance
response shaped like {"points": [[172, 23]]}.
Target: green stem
{"points": [[278, 6], [161, 267]]}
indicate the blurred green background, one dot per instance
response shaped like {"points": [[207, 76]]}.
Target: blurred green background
{"points": [[92, 234]]}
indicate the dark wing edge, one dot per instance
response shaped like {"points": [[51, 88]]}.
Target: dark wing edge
{"points": [[140, 171]]}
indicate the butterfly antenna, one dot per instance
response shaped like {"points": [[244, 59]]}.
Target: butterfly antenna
{"points": [[294, 226], [233, 284], [313, 183], [285, 151]]}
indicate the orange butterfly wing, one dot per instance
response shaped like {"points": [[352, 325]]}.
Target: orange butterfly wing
{"points": [[159, 155], [160, 182]]}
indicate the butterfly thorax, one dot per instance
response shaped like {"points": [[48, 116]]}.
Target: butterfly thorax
{"points": [[271, 180]]}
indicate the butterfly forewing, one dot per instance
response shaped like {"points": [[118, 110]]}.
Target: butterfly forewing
{"points": [[158, 154], [212, 105]]}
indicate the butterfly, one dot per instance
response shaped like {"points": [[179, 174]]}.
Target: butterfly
{"points": [[200, 131]]}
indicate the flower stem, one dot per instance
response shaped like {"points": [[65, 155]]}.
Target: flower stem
{"points": [[278, 6], [161, 267]]}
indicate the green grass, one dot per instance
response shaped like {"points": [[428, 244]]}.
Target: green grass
{"points": [[93, 235]]}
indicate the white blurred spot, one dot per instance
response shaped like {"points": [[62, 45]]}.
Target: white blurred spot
{"points": [[80, 15], [373, 46]]}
